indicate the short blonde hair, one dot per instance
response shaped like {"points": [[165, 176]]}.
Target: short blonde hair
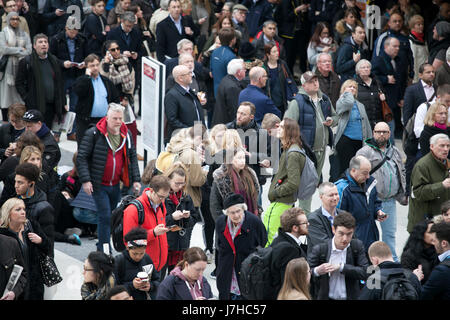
{"points": [[270, 120], [348, 83], [6, 211], [434, 108], [415, 19]]}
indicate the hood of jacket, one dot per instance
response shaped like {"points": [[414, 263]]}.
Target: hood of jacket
{"points": [[102, 127], [373, 144]]}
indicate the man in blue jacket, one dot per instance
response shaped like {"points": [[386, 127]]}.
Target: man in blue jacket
{"points": [[255, 94], [222, 55], [358, 195], [437, 286]]}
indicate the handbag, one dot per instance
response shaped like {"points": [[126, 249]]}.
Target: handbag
{"points": [[49, 270], [291, 86], [387, 112]]}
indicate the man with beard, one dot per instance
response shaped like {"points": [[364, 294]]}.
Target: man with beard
{"points": [[389, 171]]}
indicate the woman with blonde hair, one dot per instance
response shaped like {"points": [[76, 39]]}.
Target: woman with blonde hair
{"points": [[436, 121], [353, 124], [216, 137], [181, 214], [296, 281], [32, 241]]}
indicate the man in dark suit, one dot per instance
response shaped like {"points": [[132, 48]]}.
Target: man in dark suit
{"points": [[321, 220], [172, 29], [182, 107], [287, 245], [228, 93], [339, 264]]}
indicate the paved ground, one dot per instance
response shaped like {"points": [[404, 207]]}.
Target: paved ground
{"points": [[69, 258]]}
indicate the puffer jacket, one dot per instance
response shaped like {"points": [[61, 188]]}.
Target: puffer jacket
{"points": [[94, 151], [343, 108], [363, 203], [369, 97], [372, 152]]}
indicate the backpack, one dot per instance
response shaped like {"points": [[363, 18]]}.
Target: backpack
{"points": [[398, 287], [117, 220], [309, 178], [255, 282]]}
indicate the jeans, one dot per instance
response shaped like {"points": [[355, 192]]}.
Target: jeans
{"points": [[85, 215], [389, 226], [106, 199]]}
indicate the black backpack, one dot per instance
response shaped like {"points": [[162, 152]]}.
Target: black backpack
{"points": [[117, 220], [396, 286], [255, 282]]}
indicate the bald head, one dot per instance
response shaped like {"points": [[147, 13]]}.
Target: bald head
{"points": [[381, 134], [258, 77], [359, 167], [182, 75]]}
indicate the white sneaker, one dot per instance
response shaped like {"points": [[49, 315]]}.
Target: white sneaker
{"points": [[210, 256]]}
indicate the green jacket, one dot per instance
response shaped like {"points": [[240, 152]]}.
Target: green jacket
{"points": [[427, 190], [290, 177]]}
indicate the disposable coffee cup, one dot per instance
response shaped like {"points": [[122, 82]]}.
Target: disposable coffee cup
{"points": [[143, 276]]}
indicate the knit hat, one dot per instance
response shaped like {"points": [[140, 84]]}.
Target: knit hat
{"points": [[247, 50], [443, 29], [232, 200]]}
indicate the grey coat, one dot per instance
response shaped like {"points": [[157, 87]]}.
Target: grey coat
{"points": [[372, 152], [343, 108]]}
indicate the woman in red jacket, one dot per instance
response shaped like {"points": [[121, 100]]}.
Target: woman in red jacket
{"points": [[152, 200]]}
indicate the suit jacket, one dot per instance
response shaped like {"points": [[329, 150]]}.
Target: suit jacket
{"points": [[414, 97], [167, 36], [227, 100], [181, 109], [354, 269], [319, 229]]}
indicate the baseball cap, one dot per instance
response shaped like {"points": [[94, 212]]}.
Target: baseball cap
{"points": [[307, 76], [33, 115]]}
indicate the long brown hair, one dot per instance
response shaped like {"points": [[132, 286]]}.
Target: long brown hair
{"points": [[291, 134], [295, 279], [245, 175], [315, 38]]}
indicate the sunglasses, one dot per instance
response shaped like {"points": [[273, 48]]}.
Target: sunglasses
{"points": [[114, 49]]}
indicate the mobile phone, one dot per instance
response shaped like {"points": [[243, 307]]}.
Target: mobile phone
{"points": [[174, 227]]}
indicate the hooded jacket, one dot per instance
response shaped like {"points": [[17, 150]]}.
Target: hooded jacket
{"points": [[96, 162], [345, 65], [175, 287]]}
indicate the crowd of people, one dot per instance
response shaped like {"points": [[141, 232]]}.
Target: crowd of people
{"points": [[256, 92]]}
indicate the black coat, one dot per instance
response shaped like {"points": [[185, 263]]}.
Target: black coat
{"points": [[52, 153], [58, 47], [319, 229], [93, 154], [35, 286], [428, 258], [93, 33], [427, 133], [54, 23], [135, 42], [354, 269], [10, 254], [251, 235], [284, 250], [345, 65], [387, 268], [84, 89], [180, 109], [38, 209], [438, 285], [167, 36], [126, 269], [369, 97], [227, 100], [414, 97], [6, 137], [176, 241]]}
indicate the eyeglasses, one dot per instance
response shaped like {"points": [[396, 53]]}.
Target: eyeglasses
{"points": [[14, 19], [381, 132], [114, 49], [299, 224]]}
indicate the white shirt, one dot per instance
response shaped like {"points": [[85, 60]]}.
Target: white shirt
{"points": [[429, 90], [297, 240], [420, 116], [337, 290], [444, 256]]}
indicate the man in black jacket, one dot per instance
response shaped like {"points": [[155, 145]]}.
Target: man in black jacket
{"points": [[228, 93], [172, 29], [385, 268], [321, 220], [339, 264], [182, 107], [52, 154], [106, 157], [70, 47], [95, 92], [11, 255], [40, 83], [287, 245]]}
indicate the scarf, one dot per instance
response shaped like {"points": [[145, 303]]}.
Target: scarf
{"points": [[419, 36], [440, 126], [15, 38], [239, 188], [119, 73], [175, 197]]}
